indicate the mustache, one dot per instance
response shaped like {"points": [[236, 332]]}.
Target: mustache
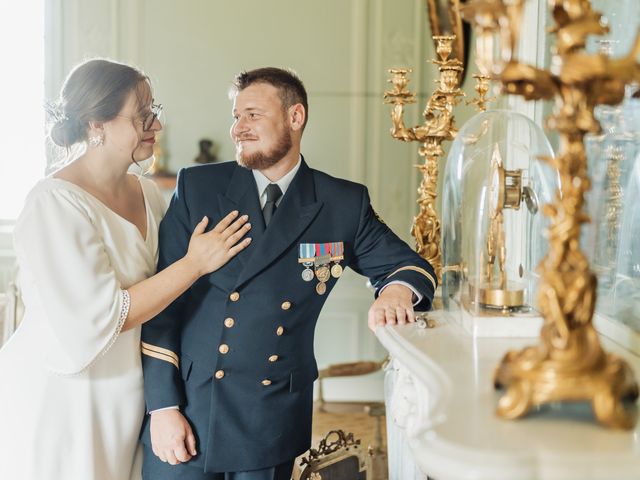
{"points": [[245, 137]]}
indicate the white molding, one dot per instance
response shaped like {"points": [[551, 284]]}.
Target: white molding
{"points": [[54, 28], [358, 101], [114, 30], [373, 175], [72, 40], [129, 31], [419, 72], [347, 323]]}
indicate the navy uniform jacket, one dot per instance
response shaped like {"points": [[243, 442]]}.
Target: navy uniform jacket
{"points": [[235, 352]]}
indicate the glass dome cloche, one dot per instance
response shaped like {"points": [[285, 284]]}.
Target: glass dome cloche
{"points": [[625, 301], [495, 184]]}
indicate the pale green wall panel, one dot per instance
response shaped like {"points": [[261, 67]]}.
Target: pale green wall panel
{"points": [[329, 153], [194, 48]]}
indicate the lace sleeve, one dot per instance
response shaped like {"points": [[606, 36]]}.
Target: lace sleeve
{"points": [[124, 313]]}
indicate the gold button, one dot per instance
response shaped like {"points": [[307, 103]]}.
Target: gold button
{"points": [[266, 382], [285, 305], [224, 348], [234, 297], [228, 322], [273, 358], [219, 374], [280, 330]]}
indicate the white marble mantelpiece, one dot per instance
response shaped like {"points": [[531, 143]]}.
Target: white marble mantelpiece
{"points": [[441, 404]]}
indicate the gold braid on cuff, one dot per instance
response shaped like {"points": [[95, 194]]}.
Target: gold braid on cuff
{"points": [[415, 269], [160, 353]]}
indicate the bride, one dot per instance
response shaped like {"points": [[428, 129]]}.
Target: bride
{"points": [[86, 244]]}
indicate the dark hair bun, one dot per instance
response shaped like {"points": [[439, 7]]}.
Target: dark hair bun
{"points": [[62, 133]]}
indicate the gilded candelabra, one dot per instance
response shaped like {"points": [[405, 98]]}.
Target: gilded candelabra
{"points": [[481, 88], [569, 363], [438, 126]]}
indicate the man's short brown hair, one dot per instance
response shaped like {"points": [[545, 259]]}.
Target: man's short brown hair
{"points": [[290, 88]]}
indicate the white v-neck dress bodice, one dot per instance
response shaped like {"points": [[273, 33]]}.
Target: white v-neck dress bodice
{"points": [[71, 394]]}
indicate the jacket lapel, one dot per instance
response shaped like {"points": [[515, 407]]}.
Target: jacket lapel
{"points": [[296, 211], [242, 195]]}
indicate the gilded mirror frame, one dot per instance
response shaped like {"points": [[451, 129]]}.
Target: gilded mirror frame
{"points": [[444, 19]]}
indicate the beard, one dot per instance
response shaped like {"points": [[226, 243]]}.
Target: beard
{"points": [[262, 160]]}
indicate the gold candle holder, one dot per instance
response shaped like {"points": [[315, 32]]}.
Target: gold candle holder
{"points": [[481, 88], [569, 363], [438, 126]]}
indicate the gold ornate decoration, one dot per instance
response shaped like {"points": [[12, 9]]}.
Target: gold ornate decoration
{"points": [[482, 14], [444, 19], [481, 88], [437, 127], [331, 443], [569, 363]]}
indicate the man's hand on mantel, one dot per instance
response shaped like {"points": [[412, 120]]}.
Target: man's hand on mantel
{"points": [[393, 306]]}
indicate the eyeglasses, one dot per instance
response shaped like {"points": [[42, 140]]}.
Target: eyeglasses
{"points": [[147, 121], [149, 118]]}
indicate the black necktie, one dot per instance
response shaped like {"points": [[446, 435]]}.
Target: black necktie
{"points": [[273, 194]]}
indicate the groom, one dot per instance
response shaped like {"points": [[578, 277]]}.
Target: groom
{"points": [[229, 366]]}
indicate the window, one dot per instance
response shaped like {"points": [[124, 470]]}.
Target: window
{"points": [[22, 158]]}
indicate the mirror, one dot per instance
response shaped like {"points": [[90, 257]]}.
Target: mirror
{"points": [[444, 19]]}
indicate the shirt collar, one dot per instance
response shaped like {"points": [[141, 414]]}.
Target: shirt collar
{"points": [[262, 182]]}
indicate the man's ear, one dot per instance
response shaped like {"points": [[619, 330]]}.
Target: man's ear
{"points": [[297, 116]]}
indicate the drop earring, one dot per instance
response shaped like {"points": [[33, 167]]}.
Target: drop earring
{"points": [[96, 140]]}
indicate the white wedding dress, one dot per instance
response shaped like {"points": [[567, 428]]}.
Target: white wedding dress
{"points": [[71, 396]]}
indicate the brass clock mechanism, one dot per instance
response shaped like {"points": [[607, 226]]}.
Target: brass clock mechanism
{"points": [[505, 193]]}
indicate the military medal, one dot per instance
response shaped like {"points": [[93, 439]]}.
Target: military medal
{"points": [[322, 273], [307, 274], [322, 259], [336, 270], [337, 254], [320, 256], [306, 256]]}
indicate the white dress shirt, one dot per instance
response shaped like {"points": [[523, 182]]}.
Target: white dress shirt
{"points": [[263, 182]]}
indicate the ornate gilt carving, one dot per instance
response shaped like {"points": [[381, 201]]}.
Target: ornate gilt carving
{"points": [[332, 442], [439, 125], [569, 363], [444, 19]]}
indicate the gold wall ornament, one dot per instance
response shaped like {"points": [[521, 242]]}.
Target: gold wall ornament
{"points": [[439, 125], [569, 363]]}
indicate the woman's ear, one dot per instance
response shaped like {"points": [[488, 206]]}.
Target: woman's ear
{"points": [[297, 116], [96, 127]]}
